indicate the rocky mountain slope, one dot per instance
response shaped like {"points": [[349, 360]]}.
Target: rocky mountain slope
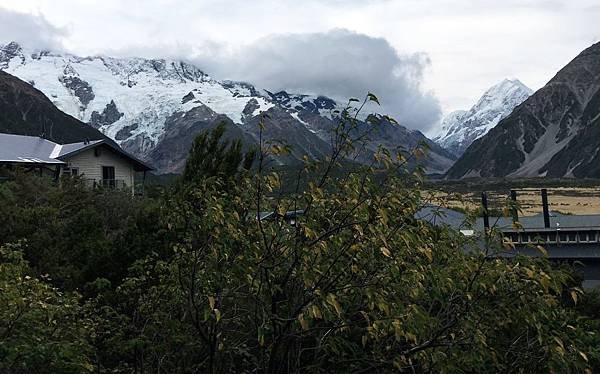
{"points": [[153, 108], [25, 110], [554, 133], [459, 129]]}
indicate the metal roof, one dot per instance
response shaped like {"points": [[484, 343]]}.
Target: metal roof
{"points": [[26, 150], [67, 149], [441, 216]]}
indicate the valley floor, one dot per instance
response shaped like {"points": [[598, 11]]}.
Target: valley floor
{"points": [[566, 197]]}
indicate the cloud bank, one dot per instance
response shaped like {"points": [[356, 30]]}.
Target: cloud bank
{"points": [[339, 64], [32, 30]]}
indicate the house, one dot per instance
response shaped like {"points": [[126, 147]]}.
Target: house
{"points": [[98, 162]]}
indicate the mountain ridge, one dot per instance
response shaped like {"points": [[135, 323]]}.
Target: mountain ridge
{"points": [[134, 100], [554, 133], [460, 128]]}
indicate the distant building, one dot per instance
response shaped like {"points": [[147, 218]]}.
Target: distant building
{"points": [[98, 162], [289, 216], [573, 239]]}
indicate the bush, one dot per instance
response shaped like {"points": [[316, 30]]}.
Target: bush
{"points": [[194, 281]]}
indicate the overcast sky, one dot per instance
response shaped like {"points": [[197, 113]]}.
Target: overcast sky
{"points": [[423, 58]]}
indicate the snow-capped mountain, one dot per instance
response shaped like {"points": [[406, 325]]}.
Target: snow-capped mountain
{"points": [[554, 133], [460, 128], [26, 111], [154, 108]]}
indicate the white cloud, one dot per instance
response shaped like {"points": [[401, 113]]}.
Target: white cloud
{"points": [[472, 44], [339, 64], [32, 29]]}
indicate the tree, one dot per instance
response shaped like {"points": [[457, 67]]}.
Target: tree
{"points": [[77, 234], [198, 280], [41, 328], [212, 156], [356, 284]]}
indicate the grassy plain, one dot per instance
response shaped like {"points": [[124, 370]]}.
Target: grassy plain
{"points": [[564, 196]]}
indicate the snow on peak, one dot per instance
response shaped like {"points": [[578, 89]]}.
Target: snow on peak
{"points": [[316, 104], [144, 92], [459, 129]]}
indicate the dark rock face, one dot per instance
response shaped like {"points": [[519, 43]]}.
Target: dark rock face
{"points": [[26, 111], [78, 87], [240, 88], [171, 151], [188, 72], [554, 133], [280, 126], [110, 114], [8, 52], [190, 96], [302, 102], [323, 102], [126, 132], [251, 106]]}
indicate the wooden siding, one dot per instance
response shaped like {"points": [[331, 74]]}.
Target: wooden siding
{"points": [[90, 165]]}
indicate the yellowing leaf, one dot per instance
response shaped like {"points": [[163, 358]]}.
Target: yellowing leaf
{"points": [[211, 302], [386, 252], [384, 216], [542, 250], [574, 296], [316, 312], [303, 322], [427, 252], [332, 300]]}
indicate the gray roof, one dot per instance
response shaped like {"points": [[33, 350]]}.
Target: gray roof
{"points": [[447, 217], [67, 149], [35, 150], [441, 216], [557, 221], [26, 150]]}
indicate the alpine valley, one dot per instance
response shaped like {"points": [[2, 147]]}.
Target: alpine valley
{"points": [[554, 133], [154, 108]]}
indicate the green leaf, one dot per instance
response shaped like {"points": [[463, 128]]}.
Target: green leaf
{"points": [[372, 97]]}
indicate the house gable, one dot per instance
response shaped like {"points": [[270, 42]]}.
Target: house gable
{"points": [[90, 163]]}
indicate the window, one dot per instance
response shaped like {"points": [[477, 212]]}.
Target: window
{"points": [[70, 171], [552, 237], [572, 237], [97, 151], [108, 176]]}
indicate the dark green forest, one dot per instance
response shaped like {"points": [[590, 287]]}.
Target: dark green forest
{"points": [[187, 279]]}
